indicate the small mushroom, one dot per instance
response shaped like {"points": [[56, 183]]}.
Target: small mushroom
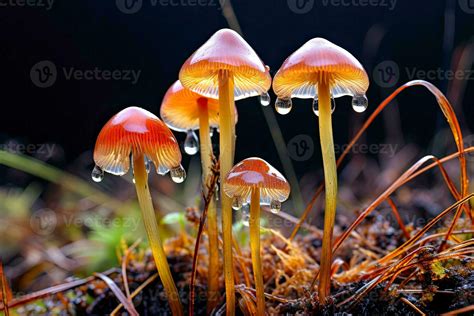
{"points": [[184, 110], [228, 69], [322, 70], [254, 180], [137, 136]]}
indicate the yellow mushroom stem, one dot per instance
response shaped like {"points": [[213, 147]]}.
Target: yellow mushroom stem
{"points": [[151, 227], [330, 182], [255, 249], [206, 161], [226, 149]]}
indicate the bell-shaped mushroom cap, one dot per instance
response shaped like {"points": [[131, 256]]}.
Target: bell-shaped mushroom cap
{"points": [[180, 109], [319, 58], [225, 50], [135, 131], [256, 173]]}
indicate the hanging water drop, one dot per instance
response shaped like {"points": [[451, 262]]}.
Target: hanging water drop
{"points": [[147, 165], [360, 103], [265, 99], [211, 131], [133, 180], [216, 192], [162, 170], [245, 217], [191, 143], [237, 203], [275, 206], [316, 106], [178, 174], [283, 106], [97, 174]]}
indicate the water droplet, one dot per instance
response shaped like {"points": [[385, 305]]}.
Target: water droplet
{"points": [[316, 105], [97, 174], [162, 170], [360, 103], [178, 174], [211, 131], [283, 106], [191, 143], [237, 203], [275, 206], [333, 105], [133, 180], [216, 192], [246, 217], [265, 99], [147, 165]]}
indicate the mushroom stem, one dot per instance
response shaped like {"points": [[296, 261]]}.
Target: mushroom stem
{"points": [[151, 227], [226, 149], [330, 180], [254, 224], [206, 161]]}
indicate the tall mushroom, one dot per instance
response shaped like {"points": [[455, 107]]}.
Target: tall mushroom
{"points": [[137, 135], [254, 180], [185, 111], [322, 70], [228, 69]]}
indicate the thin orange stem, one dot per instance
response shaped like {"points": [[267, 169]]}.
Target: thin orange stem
{"points": [[226, 148], [330, 180], [255, 249], [151, 227]]}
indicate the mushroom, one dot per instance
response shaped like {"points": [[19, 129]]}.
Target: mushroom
{"points": [[322, 70], [254, 180], [138, 136], [184, 110], [228, 69]]}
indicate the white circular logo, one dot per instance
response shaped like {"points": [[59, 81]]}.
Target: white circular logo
{"points": [[43, 222], [129, 6], [43, 74]]}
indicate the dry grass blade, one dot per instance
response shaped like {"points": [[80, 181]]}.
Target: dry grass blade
{"points": [[118, 293], [124, 265], [416, 309], [448, 112], [53, 290]]}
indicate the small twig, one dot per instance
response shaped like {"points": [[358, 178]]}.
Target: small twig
{"points": [[125, 263], [404, 300], [466, 309]]}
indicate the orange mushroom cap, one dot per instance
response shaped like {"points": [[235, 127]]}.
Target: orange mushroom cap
{"points": [[256, 173], [135, 131], [180, 109], [300, 73], [225, 50]]}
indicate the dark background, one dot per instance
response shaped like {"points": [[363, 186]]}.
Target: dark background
{"points": [[157, 39]]}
